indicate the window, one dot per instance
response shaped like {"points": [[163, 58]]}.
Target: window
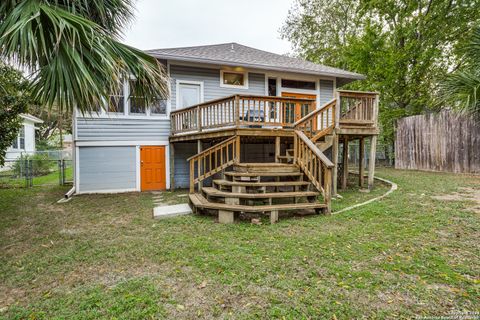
{"points": [[21, 138], [297, 84], [19, 142], [234, 79], [272, 87], [136, 103], [117, 101], [159, 108]]}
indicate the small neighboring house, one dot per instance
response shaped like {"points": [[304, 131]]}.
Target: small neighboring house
{"points": [[224, 96], [25, 141]]}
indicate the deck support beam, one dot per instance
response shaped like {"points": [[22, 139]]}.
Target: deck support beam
{"points": [[335, 164], [371, 161], [277, 149], [225, 216], [172, 165], [345, 163], [273, 216], [199, 150], [361, 162]]}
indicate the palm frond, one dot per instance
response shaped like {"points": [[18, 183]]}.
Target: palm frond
{"points": [[76, 62]]}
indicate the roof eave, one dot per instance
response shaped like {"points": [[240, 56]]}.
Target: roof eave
{"points": [[352, 76]]}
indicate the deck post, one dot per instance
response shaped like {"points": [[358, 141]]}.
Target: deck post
{"points": [[225, 216], [328, 189], [199, 119], [172, 166], [237, 150], [371, 162], [277, 149], [345, 163], [361, 162], [273, 216], [199, 150], [335, 163]]}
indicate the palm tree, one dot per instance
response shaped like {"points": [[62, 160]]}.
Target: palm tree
{"points": [[72, 51], [461, 88]]}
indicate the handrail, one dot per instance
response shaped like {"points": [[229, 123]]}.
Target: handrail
{"points": [[357, 108], [318, 122], [314, 164], [213, 160], [237, 111]]}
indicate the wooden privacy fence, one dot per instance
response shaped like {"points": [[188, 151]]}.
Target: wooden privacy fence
{"points": [[438, 142]]}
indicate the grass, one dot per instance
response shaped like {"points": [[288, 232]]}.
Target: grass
{"points": [[8, 180], [102, 256]]}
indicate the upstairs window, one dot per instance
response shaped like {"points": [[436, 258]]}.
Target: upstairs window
{"points": [[234, 79], [159, 108], [117, 101], [298, 84], [136, 103]]}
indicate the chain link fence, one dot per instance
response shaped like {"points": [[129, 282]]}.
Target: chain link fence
{"points": [[41, 168]]}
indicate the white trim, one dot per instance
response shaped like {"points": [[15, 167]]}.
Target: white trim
{"points": [[177, 92], [114, 143], [77, 169], [167, 166], [108, 191], [31, 118], [245, 79], [137, 168]]}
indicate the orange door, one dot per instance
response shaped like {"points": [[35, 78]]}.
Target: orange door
{"points": [[152, 164], [296, 111]]}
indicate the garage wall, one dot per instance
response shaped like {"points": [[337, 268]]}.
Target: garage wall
{"points": [[107, 168]]}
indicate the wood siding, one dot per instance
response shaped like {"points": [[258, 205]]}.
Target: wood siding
{"points": [[112, 129], [211, 82], [442, 142]]}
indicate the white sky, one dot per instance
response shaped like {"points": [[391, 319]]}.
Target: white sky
{"points": [[180, 23]]}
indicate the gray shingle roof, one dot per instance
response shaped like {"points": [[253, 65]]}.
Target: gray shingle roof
{"points": [[234, 54]]}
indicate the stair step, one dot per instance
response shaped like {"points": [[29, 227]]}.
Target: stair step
{"points": [[265, 167], [199, 201], [295, 194], [260, 184], [263, 174]]}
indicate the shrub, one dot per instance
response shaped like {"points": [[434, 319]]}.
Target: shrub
{"points": [[41, 165]]}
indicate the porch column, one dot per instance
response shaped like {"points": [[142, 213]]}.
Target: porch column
{"points": [[277, 149], [199, 149], [172, 166], [335, 163], [361, 162], [345, 163], [371, 162]]}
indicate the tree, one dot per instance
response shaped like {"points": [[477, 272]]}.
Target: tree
{"points": [[461, 88], [404, 47], [72, 50], [14, 99]]}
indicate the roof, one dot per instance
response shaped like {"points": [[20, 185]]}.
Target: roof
{"points": [[31, 118], [234, 54]]}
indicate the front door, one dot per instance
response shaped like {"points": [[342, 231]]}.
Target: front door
{"points": [[153, 170], [296, 111]]}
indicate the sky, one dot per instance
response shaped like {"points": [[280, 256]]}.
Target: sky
{"points": [[181, 23]]}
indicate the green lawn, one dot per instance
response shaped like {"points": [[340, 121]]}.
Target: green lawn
{"points": [[103, 256]]}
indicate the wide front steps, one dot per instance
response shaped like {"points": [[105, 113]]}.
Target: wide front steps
{"points": [[258, 188]]}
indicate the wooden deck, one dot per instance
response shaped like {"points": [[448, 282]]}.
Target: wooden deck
{"points": [[303, 177]]}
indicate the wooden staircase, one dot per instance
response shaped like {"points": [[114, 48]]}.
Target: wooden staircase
{"points": [[260, 188]]}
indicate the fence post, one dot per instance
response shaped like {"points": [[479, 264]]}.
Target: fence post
{"points": [[59, 163], [25, 172], [31, 172]]}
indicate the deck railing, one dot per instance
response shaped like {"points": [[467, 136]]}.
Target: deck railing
{"points": [[316, 166], [213, 160], [239, 111], [357, 108], [319, 122]]}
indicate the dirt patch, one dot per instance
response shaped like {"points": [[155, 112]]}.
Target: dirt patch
{"points": [[464, 194]]}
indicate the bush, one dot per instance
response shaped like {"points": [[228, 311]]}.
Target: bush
{"points": [[41, 165]]}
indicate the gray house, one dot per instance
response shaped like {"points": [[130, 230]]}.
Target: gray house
{"points": [[217, 92]]}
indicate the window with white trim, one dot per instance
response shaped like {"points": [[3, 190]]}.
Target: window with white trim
{"points": [[234, 79], [117, 101], [136, 104], [19, 142]]}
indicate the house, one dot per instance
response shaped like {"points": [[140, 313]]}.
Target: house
{"points": [[275, 120], [25, 141]]}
